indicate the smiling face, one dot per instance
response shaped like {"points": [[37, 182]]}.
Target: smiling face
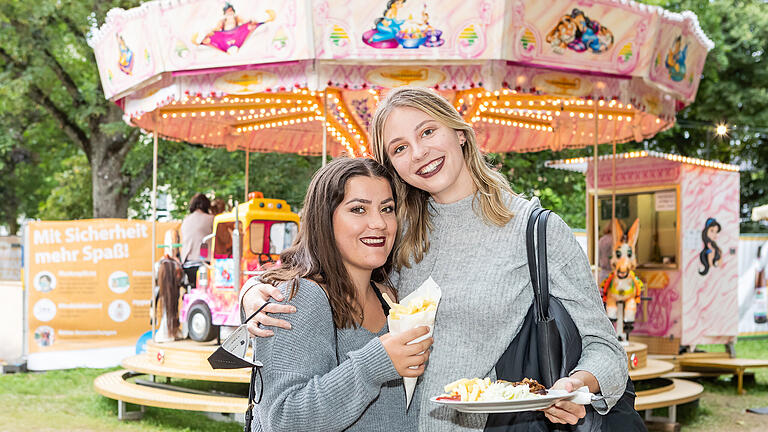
{"points": [[364, 224], [427, 154]]}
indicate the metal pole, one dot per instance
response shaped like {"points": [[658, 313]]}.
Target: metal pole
{"points": [[595, 215], [154, 228], [247, 166], [325, 126], [613, 183], [236, 250]]}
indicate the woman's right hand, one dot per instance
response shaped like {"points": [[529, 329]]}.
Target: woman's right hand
{"points": [[409, 359], [254, 298]]}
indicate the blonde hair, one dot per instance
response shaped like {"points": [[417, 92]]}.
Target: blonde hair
{"points": [[412, 209]]}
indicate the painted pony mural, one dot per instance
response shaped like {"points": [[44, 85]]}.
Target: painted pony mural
{"points": [[623, 285], [577, 32]]}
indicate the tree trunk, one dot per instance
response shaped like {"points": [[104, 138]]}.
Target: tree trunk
{"points": [[110, 186]]}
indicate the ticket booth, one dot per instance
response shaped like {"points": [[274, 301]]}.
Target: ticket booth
{"points": [[687, 244]]}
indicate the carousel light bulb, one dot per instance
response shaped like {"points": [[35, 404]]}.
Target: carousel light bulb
{"points": [[589, 102], [165, 115], [590, 115], [173, 115], [572, 114], [600, 102], [557, 113], [519, 103], [610, 117], [202, 113], [600, 116], [618, 118]]}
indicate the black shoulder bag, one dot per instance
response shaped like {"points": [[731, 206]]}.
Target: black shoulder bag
{"points": [[547, 348]]}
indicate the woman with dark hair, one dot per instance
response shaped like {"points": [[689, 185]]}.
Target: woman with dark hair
{"points": [[339, 368], [710, 255], [196, 225]]}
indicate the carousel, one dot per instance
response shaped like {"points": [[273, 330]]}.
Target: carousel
{"points": [[305, 77]]}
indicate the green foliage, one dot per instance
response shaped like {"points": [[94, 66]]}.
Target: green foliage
{"points": [[560, 191], [188, 169], [72, 199]]}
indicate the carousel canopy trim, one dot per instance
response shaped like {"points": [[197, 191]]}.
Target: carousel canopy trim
{"points": [[581, 164]]}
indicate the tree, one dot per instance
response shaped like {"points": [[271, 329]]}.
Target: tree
{"points": [[46, 62]]}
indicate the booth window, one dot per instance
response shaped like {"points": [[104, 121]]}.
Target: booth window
{"points": [[657, 243], [281, 235], [223, 244], [256, 236]]}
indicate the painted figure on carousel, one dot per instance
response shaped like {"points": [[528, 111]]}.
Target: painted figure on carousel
{"points": [[579, 33], [675, 60], [125, 60], [710, 254], [623, 285], [231, 31], [387, 26]]}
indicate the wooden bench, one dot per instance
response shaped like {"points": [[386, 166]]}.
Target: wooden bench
{"points": [[683, 392], [114, 385], [653, 369], [723, 366], [148, 364]]}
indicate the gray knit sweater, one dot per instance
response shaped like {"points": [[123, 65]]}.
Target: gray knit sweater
{"points": [[305, 389], [482, 271]]}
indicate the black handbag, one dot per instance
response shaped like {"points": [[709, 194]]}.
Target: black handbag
{"points": [[547, 348]]}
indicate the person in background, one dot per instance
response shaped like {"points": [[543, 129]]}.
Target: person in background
{"points": [[196, 225], [218, 206]]}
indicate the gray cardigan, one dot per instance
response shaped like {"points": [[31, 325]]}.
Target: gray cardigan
{"points": [[482, 271], [306, 390]]}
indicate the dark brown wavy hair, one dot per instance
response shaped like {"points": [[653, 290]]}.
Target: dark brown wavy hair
{"points": [[314, 254], [168, 281]]}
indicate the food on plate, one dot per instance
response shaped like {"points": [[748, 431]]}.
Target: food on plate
{"points": [[414, 306], [483, 390]]}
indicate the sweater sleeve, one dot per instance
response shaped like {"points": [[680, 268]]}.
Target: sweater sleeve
{"points": [[572, 282], [304, 388]]}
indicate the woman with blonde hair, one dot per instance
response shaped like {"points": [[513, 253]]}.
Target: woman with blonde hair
{"points": [[463, 226]]}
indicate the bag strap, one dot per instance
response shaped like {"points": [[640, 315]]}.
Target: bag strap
{"points": [[537, 266]]}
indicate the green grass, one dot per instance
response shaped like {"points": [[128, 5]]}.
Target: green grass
{"points": [[66, 401], [721, 409]]}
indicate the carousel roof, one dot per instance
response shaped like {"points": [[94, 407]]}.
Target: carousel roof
{"points": [[271, 76], [581, 164]]}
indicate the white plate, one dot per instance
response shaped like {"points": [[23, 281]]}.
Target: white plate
{"points": [[542, 402]]}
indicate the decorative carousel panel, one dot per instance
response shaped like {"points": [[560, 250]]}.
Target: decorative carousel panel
{"points": [[200, 34], [402, 30]]}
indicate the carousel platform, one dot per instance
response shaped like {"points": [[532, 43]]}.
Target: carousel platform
{"points": [[161, 377]]}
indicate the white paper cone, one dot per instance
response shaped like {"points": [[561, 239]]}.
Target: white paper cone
{"points": [[428, 289]]}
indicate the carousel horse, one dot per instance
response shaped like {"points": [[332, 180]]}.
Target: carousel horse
{"points": [[623, 285]]}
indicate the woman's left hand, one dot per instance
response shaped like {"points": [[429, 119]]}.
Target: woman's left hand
{"points": [[565, 412]]}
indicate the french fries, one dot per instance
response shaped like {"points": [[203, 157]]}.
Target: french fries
{"points": [[417, 305]]}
